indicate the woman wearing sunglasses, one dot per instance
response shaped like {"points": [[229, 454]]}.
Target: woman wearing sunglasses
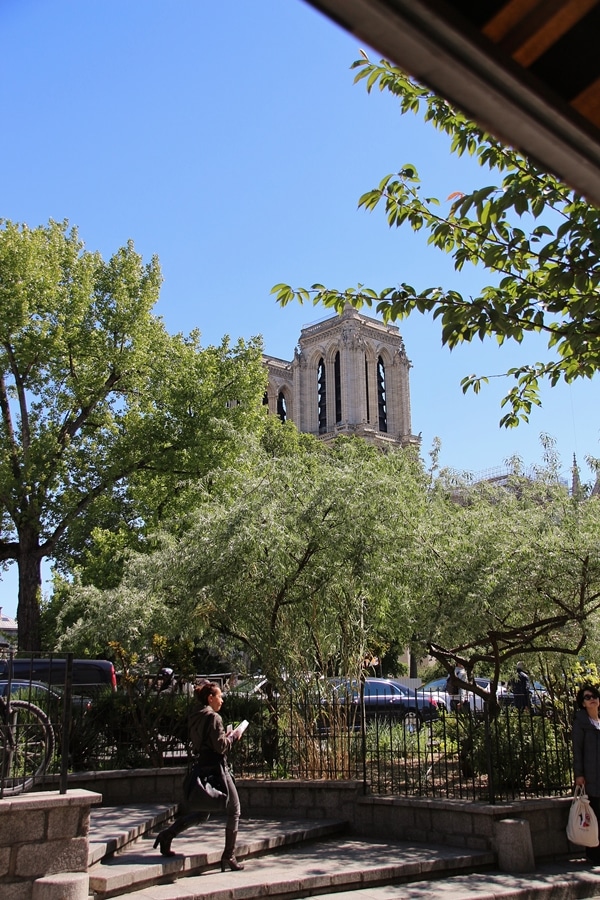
{"points": [[586, 752]]}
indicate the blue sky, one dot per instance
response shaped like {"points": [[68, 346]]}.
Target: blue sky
{"points": [[228, 139]]}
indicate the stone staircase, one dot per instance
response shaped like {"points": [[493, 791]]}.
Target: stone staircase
{"points": [[288, 858], [283, 858], [129, 862]]}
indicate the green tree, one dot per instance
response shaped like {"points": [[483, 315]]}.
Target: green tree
{"points": [[538, 239], [296, 559], [105, 416], [506, 572]]}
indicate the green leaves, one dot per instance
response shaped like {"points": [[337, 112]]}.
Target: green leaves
{"points": [[104, 416], [301, 554], [546, 274], [506, 568]]}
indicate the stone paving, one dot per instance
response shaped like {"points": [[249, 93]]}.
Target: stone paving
{"points": [[286, 858]]}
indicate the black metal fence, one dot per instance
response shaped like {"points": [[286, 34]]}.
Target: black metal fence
{"points": [[457, 754], [302, 733], [37, 720]]}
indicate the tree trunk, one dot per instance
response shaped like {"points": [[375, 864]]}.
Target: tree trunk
{"points": [[30, 595]]}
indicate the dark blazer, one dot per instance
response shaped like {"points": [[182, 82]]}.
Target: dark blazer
{"points": [[586, 752], [208, 736]]}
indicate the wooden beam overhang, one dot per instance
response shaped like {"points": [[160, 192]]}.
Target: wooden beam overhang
{"points": [[527, 71]]}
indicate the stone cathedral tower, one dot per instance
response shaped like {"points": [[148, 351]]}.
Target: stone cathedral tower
{"points": [[349, 375]]}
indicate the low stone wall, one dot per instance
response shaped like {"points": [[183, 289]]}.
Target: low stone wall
{"points": [[459, 823], [42, 834], [122, 786]]}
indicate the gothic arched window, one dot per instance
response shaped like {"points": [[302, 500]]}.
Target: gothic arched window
{"points": [[281, 407], [337, 378], [367, 388], [321, 397], [381, 400]]}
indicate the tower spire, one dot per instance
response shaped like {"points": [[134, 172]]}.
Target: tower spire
{"points": [[575, 479]]}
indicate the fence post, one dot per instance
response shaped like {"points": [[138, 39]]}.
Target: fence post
{"points": [[66, 724], [363, 734], [488, 753]]}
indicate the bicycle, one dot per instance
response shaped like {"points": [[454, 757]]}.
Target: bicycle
{"points": [[26, 745]]}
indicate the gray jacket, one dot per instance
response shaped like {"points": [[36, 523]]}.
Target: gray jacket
{"points": [[208, 736], [586, 752]]}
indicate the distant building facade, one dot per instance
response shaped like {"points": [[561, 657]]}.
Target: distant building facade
{"points": [[8, 630], [349, 375]]}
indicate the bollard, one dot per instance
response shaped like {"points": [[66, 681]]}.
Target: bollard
{"points": [[62, 886], [514, 846]]}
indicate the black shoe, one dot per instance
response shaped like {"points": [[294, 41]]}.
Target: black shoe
{"points": [[163, 840], [232, 863]]}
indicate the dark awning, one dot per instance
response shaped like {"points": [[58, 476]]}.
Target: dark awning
{"points": [[528, 71]]}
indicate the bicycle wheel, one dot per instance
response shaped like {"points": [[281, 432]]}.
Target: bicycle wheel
{"points": [[26, 746]]}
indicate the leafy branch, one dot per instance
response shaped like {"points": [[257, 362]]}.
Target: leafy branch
{"points": [[539, 240]]}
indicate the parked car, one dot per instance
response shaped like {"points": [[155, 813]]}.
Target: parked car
{"points": [[385, 698], [436, 689], [91, 674], [49, 699], [539, 696]]}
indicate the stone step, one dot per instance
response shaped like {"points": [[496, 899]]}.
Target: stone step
{"points": [[138, 864], [114, 827], [571, 880], [311, 867]]}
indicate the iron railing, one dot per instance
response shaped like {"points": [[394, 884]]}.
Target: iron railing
{"points": [[304, 732], [37, 722], [458, 754]]}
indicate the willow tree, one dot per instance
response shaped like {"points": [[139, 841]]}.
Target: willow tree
{"points": [[505, 572], [104, 415], [297, 559]]}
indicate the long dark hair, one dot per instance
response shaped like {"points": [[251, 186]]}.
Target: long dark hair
{"points": [[582, 690], [206, 690]]}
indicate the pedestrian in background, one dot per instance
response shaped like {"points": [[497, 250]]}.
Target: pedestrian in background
{"points": [[454, 688], [521, 687], [586, 752]]}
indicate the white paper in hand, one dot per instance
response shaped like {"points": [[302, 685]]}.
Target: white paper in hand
{"points": [[238, 732]]}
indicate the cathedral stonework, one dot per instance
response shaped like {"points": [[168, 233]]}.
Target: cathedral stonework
{"points": [[349, 375]]}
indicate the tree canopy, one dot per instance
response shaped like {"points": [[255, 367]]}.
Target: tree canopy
{"points": [[506, 571], [105, 417], [296, 559], [537, 239], [304, 559]]}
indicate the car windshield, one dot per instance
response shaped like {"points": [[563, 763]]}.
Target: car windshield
{"points": [[438, 684], [250, 685]]}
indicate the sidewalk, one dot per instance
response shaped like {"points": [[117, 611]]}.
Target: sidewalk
{"points": [[319, 862]]}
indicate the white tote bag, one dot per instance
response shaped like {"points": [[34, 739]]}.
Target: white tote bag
{"points": [[582, 827]]}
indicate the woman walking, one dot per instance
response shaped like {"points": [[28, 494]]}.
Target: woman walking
{"points": [[210, 743], [586, 752]]}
